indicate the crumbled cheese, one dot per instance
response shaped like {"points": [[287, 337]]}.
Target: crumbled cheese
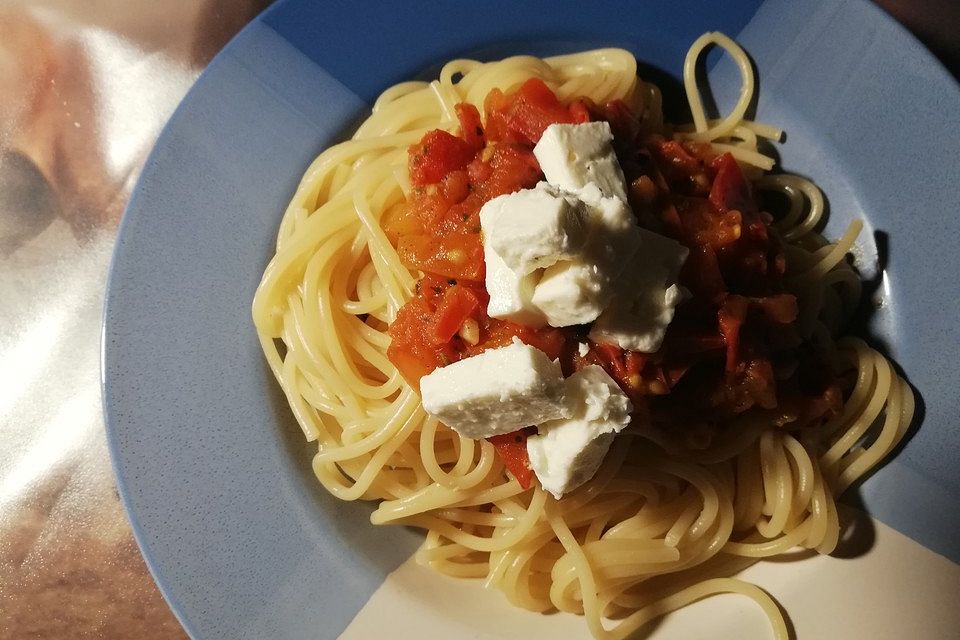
{"points": [[498, 391], [567, 452]]}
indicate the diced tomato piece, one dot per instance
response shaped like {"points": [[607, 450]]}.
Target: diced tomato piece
{"points": [[701, 273], [692, 344], [704, 225], [524, 115], [548, 339], [410, 366], [760, 383], [781, 308], [411, 349], [512, 450], [730, 190], [471, 129], [455, 256], [513, 167], [430, 205], [676, 158], [623, 122], [437, 154], [456, 186], [400, 220], [457, 304], [625, 367], [478, 170], [431, 288], [500, 333], [731, 316], [634, 361], [580, 111]]}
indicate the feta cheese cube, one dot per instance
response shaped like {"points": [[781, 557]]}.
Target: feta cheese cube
{"points": [[567, 452], [534, 228], [613, 232], [571, 292], [497, 391], [647, 295], [574, 155], [511, 295], [577, 291]]}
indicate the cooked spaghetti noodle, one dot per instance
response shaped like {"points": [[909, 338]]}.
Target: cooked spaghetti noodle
{"points": [[660, 525]]}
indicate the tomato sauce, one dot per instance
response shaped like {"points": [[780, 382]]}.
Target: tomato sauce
{"points": [[438, 230], [731, 347]]}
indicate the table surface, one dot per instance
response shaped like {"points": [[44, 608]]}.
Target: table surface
{"points": [[85, 87]]}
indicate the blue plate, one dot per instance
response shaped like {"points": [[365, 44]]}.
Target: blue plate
{"points": [[210, 464]]}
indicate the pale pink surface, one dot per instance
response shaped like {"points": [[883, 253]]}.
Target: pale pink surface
{"points": [[85, 87]]}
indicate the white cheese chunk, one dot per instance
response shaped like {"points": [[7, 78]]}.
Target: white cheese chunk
{"points": [[572, 292], [567, 452], [511, 295], [574, 155], [577, 291], [497, 391], [647, 295], [534, 228]]}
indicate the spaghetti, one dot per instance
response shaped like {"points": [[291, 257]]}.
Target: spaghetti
{"points": [[661, 524]]}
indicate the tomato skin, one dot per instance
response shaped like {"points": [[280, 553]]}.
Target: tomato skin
{"points": [[410, 365], [411, 348], [704, 225], [580, 111], [730, 318], [622, 121], [457, 255], [401, 220], [730, 190], [625, 367], [512, 451], [676, 159], [458, 304], [437, 154], [498, 333], [471, 129], [512, 167], [701, 273], [523, 116]]}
